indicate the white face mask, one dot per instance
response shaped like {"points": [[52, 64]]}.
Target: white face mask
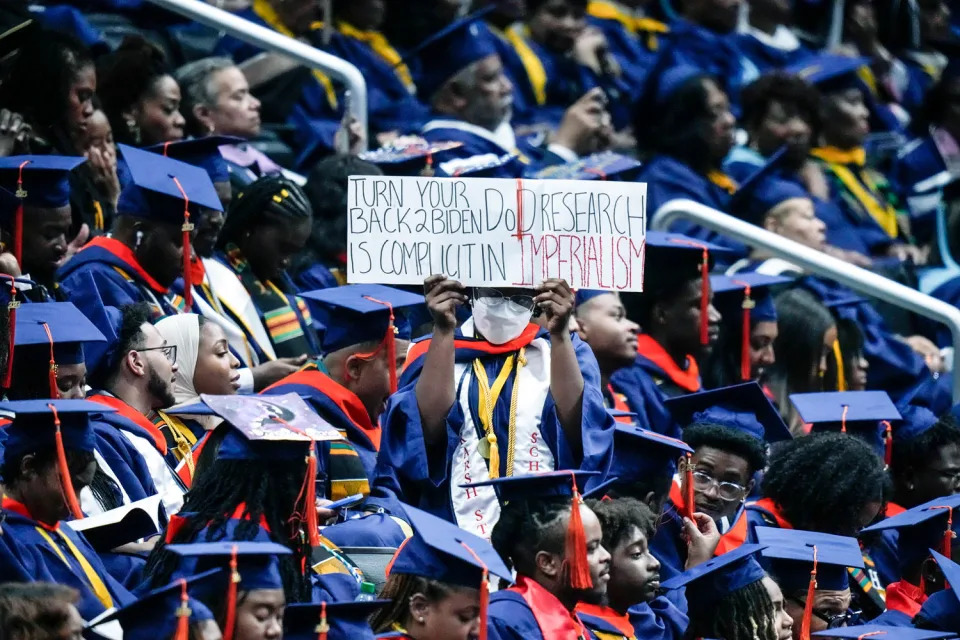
{"points": [[499, 320]]}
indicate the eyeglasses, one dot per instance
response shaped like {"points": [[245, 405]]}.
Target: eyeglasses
{"points": [[169, 351], [847, 618], [728, 491], [495, 297]]}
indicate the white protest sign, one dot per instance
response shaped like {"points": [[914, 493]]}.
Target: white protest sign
{"points": [[588, 232]]}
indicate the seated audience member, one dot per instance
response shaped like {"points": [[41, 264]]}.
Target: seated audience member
{"points": [[204, 364], [41, 230], [941, 611], [323, 262], [634, 607], [792, 555], [728, 429], [97, 145], [552, 576], [145, 253], [632, 37], [51, 85], [679, 325], [448, 425], [855, 363], [806, 335], [48, 457], [809, 484], [217, 102], [732, 597], [269, 222], [139, 94], [391, 94], [767, 41], [922, 51], [689, 131], [435, 582], [862, 195], [559, 58], [32, 610], [133, 374], [748, 330], [704, 37], [603, 324], [462, 79]]}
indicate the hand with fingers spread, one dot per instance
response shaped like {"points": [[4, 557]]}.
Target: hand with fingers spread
{"points": [[702, 538], [13, 131], [585, 127], [443, 296], [555, 297]]}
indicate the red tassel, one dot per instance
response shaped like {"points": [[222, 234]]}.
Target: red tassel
{"points": [[323, 627], [310, 499], [948, 536], [705, 298], [689, 503], [575, 545], [12, 334], [18, 217], [748, 304], [390, 342], [843, 419], [484, 592], [183, 614], [186, 229], [808, 605], [52, 374], [519, 208], [230, 618], [66, 481], [887, 443]]}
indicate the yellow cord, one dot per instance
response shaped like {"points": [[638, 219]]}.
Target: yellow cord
{"points": [[521, 361]]}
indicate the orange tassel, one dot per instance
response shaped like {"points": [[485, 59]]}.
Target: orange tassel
{"points": [[808, 605], [323, 627], [310, 499], [66, 481], [183, 614], [843, 419], [748, 304], [390, 342], [186, 229], [575, 545], [705, 298], [887, 443], [484, 592], [52, 374], [948, 536], [12, 334], [689, 502], [230, 618], [18, 217]]}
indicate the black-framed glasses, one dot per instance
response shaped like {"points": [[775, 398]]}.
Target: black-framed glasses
{"points": [[169, 351], [847, 618], [495, 297], [728, 491]]}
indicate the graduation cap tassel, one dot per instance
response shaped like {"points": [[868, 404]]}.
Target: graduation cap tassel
{"points": [[323, 628], [52, 374], [183, 614], [310, 499], [230, 616], [18, 217], [66, 481], [575, 545], [12, 332], [747, 305], [887, 442], [688, 500], [843, 418], [705, 298], [948, 536], [390, 342], [808, 604], [484, 591], [186, 229]]}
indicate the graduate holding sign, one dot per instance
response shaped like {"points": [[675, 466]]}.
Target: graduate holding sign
{"points": [[498, 397]]}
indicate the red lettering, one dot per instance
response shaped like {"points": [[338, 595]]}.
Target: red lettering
{"points": [[466, 462], [534, 436], [534, 452], [471, 492], [478, 515], [592, 258], [467, 477], [534, 465], [483, 529]]}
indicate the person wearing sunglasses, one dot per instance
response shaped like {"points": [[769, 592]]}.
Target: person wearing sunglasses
{"points": [[496, 397]]}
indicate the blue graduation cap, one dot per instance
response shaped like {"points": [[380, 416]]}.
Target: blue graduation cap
{"points": [[200, 152], [930, 524], [915, 421], [881, 632], [58, 326], [62, 424], [157, 613], [718, 577], [39, 181], [582, 296], [411, 159], [867, 414], [450, 50], [357, 313], [830, 72], [744, 407], [642, 455], [257, 564], [943, 607], [439, 550], [347, 620], [793, 554], [767, 195], [99, 355], [598, 166], [486, 165], [671, 80]]}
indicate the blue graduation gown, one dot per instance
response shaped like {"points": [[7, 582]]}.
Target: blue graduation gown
{"points": [[104, 265], [669, 179], [125, 461], [409, 472], [919, 175], [391, 106], [627, 48], [644, 398], [510, 618], [768, 58], [25, 551], [660, 619]]}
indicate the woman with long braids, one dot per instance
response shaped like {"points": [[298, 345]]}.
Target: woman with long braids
{"points": [[269, 222]]}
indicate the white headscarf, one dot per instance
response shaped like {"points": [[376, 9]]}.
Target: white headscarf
{"points": [[183, 331]]}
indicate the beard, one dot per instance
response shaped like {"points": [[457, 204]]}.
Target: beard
{"points": [[161, 390]]}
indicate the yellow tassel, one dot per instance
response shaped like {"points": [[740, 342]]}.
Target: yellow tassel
{"points": [[494, 456]]}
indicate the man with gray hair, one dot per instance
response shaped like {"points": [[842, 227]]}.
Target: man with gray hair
{"points": [[463, 80]]}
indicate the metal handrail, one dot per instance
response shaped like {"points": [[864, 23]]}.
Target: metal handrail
{"points": [[270, 40], [814, 261]]}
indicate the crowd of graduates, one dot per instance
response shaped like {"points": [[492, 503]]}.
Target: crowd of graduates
{"points": [[206, 432]]}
